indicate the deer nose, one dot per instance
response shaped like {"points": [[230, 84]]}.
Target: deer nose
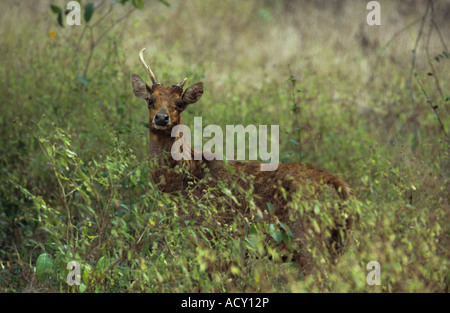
{"points": [[161, 119]]}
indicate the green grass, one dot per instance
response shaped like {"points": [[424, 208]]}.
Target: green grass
{"points": [[74, 175]]}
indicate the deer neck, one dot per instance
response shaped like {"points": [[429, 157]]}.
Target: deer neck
{"points": [[161, 146]]}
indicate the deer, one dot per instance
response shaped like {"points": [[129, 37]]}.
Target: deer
{"points": [[165, 106]]}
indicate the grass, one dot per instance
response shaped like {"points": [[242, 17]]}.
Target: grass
{"points": [[75, 183]]}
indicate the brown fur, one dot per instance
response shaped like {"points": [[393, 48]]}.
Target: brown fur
{"points": [[268, 185]]}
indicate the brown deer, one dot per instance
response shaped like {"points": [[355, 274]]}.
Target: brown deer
{"points": [[165, 106]]}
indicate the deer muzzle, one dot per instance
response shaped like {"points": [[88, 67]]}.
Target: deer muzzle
{"points": [[161, 121]]}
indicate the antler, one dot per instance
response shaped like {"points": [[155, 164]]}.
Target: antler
{"points": [[182, 83], [147, 68]]}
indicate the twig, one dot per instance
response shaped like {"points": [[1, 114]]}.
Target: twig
{"points": [[400, 31], [429, 59], [411, 72], [434, 107], [77, 48], [120, 19], [446, 49], [124, 255], [296, 110], [91, 52], [103, 17], [413, 52], [95, 42], [440, 35], [378, 60], [99, 5]]}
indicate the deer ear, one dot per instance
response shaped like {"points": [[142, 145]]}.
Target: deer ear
{"points": [[140, 88], [193, 93]]}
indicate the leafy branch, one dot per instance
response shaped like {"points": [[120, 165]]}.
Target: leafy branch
{"points": [[427, 16], [433, 106], [296, 111], [94, 31]]}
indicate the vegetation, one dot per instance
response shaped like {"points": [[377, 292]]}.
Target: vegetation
{"points": [[349, 98]]}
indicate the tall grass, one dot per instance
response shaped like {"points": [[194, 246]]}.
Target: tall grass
{"points": [[75, 179]]}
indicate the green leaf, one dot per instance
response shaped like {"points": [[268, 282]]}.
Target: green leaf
{"points": [[316, 209], [285, 238], [251, 242], [253, 230], [44, 266], [294, 142], [102, 265], [70, 153], [282, 225], [55, 9], [293, 81], [167, 4], [228, 193], [271, 208], [59, 18], [83, 80], [88, 11], [277, 236], [291, 234], [275, 233], [315, 226], [138, 4], [86, 275], [82, 287]]}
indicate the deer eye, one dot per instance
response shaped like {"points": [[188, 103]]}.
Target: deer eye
{"points": [[150, 102]]}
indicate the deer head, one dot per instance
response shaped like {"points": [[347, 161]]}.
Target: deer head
{"points": [[165, 104]]}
